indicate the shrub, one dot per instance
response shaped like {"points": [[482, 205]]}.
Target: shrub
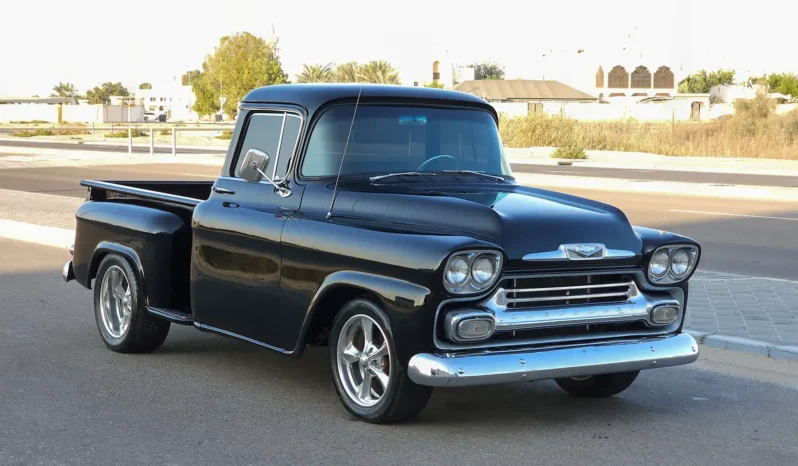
{"points": [[569, 152], [753, 132], [30, 134], [165, 132], [226, 134], [137, 133]]}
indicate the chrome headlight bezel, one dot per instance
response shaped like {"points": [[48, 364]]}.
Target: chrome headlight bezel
{"points": [[670, 277], [471, 285]]}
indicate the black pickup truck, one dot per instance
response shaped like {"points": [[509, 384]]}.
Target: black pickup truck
{"points": [[385, 223]]}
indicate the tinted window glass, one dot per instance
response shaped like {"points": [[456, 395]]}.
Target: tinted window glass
{"points": [[263, 133], [388, 139]]}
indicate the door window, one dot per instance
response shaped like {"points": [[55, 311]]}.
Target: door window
{"points": [[273, 133]]}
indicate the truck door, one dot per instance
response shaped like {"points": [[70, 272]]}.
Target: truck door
{"points": [[236, 258]]}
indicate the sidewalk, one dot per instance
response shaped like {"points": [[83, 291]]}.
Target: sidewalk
{"points": [[645, 161], [752, 314]]}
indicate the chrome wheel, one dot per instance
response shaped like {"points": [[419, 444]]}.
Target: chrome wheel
{"points": [[364, 360], [116, 304]]}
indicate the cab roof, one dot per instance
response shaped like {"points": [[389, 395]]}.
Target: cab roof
{"points": [[314, 95]]}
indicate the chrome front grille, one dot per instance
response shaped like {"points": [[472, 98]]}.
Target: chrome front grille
{"points": [[541, 292]]}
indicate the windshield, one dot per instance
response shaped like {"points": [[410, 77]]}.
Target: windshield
{"points": [[391, 139]]}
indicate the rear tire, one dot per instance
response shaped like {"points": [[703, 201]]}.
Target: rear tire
{"points": [[375, 359], [125, 325], [598, 386]]}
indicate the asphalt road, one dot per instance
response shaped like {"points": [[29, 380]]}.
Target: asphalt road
{"points": [[573, 170], [205, 399], [746, 237], [661, 175]]}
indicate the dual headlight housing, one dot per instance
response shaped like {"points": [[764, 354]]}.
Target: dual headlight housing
{"points": [[472, 271], [672, 264]]}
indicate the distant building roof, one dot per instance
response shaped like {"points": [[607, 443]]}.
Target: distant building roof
{"points": [[521, 89], [37, 100]]}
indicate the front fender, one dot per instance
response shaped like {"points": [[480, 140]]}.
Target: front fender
{"points": [[405, 303]]}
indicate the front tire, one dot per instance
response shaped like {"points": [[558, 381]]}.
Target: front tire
{"points": [[371, 382], [598, 386], [123, 322]]}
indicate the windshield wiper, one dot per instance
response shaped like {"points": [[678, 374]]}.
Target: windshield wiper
{"points": [[472, 172], [379, 177]]}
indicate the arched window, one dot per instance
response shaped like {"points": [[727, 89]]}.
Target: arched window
{"points": [[663, 78], [641, 78], [600, 77], [618, 78]]}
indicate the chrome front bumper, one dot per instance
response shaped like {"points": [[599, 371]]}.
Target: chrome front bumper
{"points": [[67, 272], [490, 367]]}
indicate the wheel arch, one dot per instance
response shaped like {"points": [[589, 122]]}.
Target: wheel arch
{"points": [[393, 295], [107, 247]]}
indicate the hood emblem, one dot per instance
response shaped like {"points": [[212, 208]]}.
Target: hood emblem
{"points": [[579, 252]]}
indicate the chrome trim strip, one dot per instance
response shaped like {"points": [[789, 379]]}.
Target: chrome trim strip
{"points": [[491, 367], [561, 254]]}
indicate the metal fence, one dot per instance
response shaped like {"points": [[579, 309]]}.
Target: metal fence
{"points": [[135, 127]]}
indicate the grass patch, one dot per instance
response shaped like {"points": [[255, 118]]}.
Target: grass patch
{"points": [[569, 152], [46, 132], [31, 122], [753, 131], [226, 134], [165, 132]]}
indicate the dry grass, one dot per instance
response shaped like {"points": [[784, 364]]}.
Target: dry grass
{"points": [[753, 131]]}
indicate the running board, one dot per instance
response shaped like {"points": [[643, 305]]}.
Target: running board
{"points": [[171, 315]]}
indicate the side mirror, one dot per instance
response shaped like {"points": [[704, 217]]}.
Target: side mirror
{"points": [[253, 169]]}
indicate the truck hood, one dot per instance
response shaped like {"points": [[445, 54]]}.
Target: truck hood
{"points": [[519, 219]]}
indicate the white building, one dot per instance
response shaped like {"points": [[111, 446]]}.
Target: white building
{"points": [[170, 98]]}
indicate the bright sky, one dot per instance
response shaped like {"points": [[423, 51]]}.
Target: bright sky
{"points": [[87, 42]]}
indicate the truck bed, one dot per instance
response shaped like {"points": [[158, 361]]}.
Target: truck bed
{"points": [[184, 193]]}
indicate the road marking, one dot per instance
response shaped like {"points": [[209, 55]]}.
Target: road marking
{"points": [[733, 215], [38, 234]]}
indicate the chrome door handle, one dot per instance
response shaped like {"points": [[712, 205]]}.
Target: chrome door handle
{"points": [[222, 190]]}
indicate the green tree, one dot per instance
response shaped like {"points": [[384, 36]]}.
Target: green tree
{"points": [[434, 84], [206, 90], [487, 70], [347, 72], [316, 74], [378, 72], [701, 82], [239, 64], [188, 77], [64, 90], [783, 83], [103, 93], [145, 86]]}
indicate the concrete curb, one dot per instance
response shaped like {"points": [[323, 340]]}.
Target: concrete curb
{"points": [[745, 345]]}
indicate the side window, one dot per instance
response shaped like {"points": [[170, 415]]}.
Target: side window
{"points": [[263, 132]]}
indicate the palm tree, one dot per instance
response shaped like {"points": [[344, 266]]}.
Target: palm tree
{"points": [[379, 72], [347, 72], [315, 74]]}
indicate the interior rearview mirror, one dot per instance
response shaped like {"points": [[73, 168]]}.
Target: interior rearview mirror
{"points": [[253, 168]]}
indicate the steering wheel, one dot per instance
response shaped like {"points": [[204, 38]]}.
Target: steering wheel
{"points": [[438, 157]]}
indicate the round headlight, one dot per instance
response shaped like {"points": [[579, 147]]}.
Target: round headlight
{"points": [[483, 270], [457, 271], [659, 263], [680, 262]]}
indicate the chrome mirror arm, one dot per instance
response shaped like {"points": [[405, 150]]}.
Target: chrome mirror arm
{"points": [[281, 190]]}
